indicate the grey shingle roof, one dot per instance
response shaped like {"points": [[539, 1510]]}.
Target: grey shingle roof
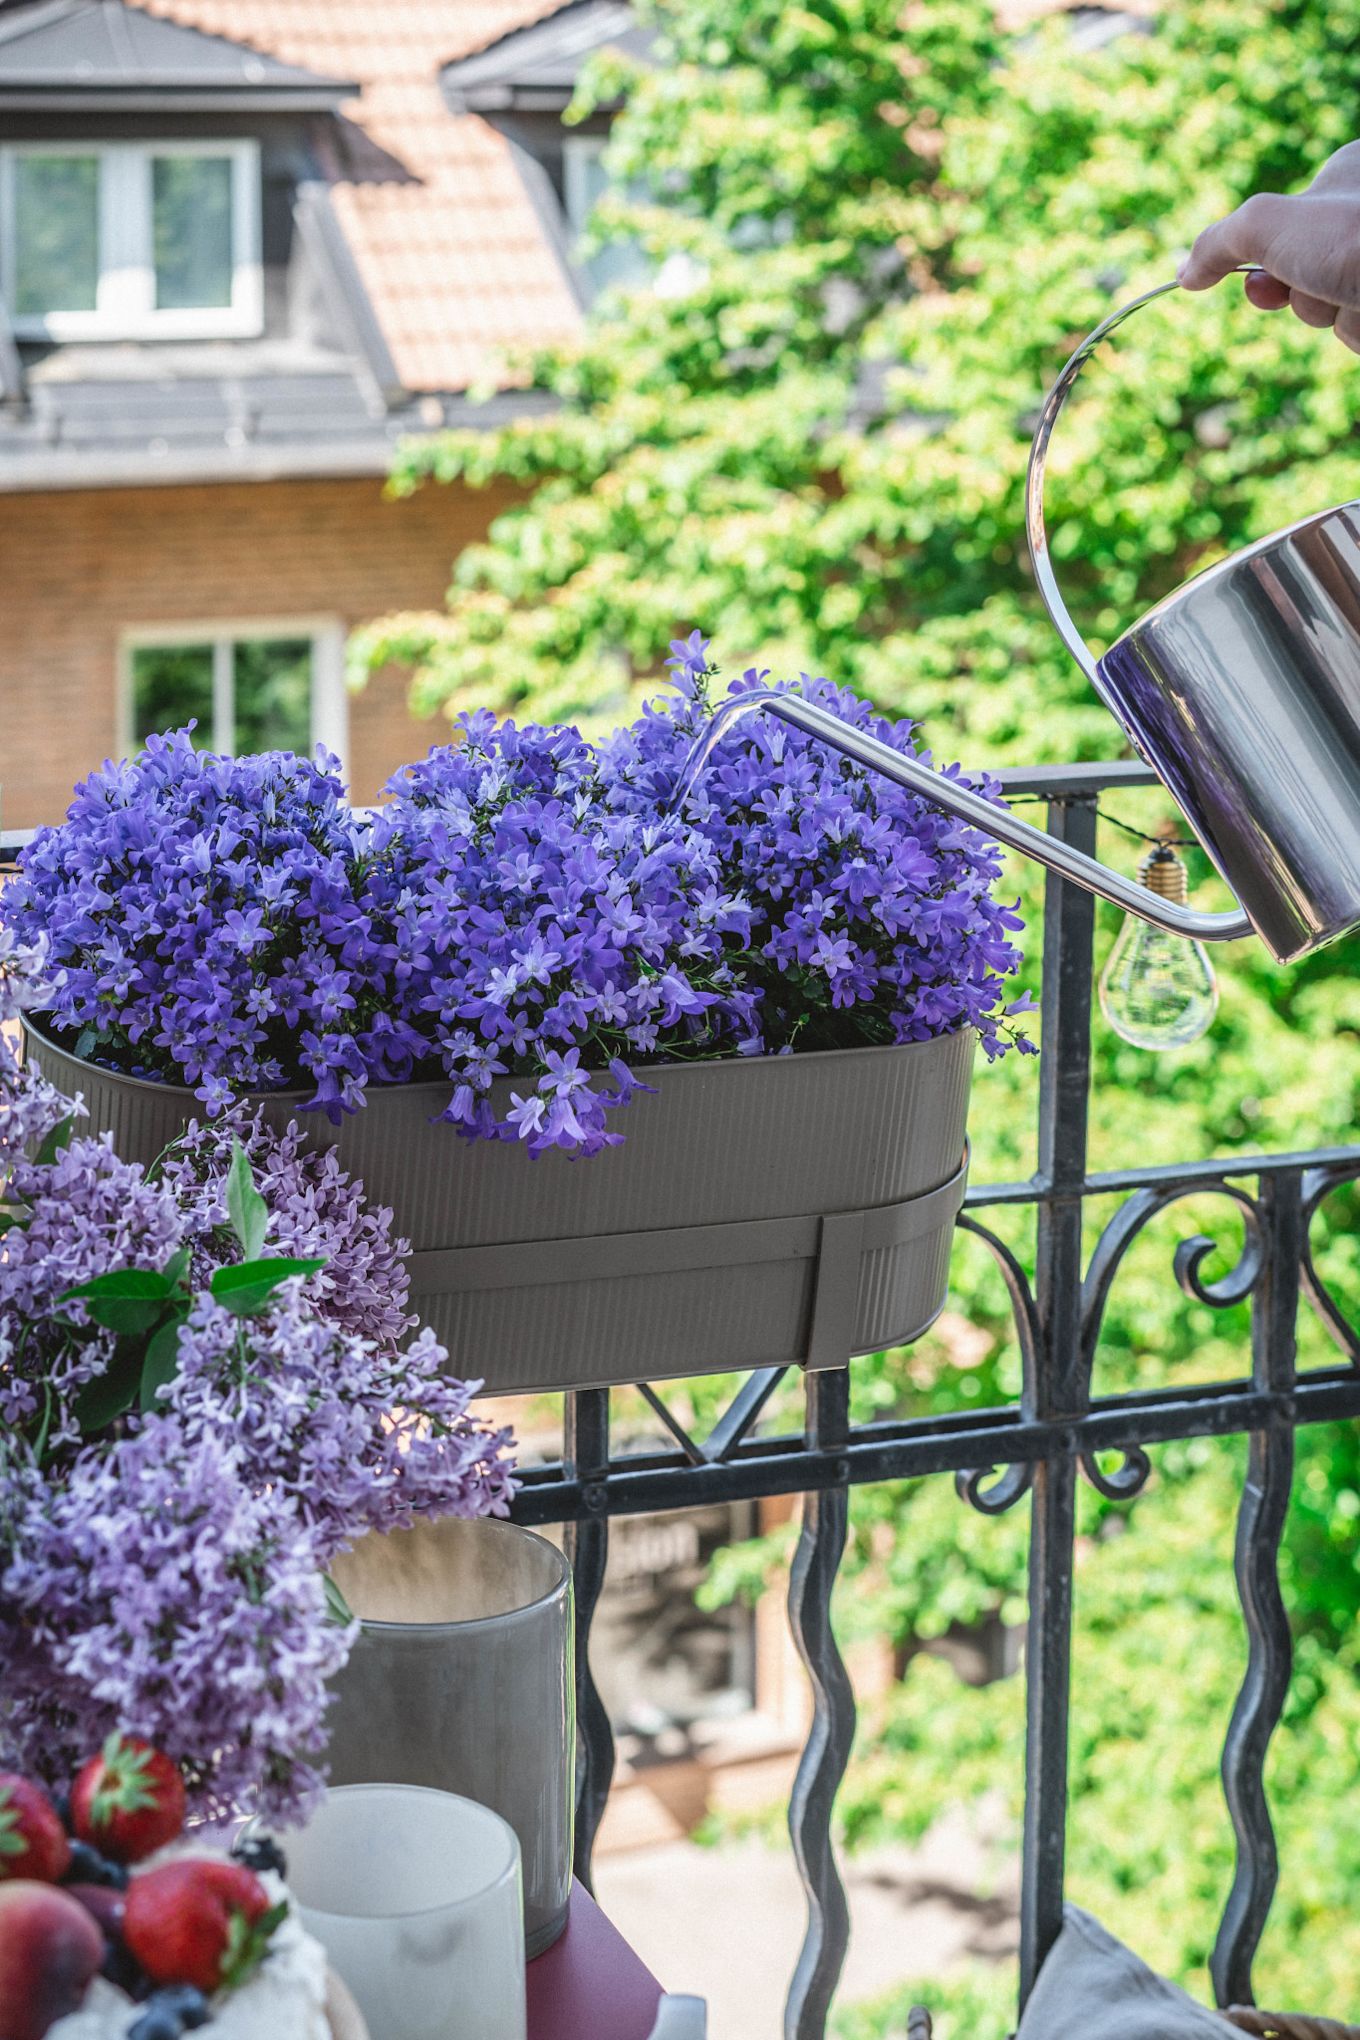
{"points": [[70, 52]]}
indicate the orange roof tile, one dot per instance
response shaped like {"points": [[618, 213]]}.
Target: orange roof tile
{"points": [[447, 241]]}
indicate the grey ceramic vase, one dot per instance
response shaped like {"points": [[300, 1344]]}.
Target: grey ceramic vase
{"points": [[462, 1678]]}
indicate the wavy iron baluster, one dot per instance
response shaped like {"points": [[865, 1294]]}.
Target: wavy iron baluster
{"points": [[1260, 1525], [821, 1542], [586, 1458]]}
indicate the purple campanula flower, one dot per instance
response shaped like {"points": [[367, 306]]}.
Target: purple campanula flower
{"points": [[522, 894]]}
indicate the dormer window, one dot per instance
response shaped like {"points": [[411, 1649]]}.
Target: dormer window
{"points": [[131, 240]]}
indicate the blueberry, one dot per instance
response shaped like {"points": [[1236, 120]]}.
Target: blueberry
{"points": [[176, 2009], [122, 1969], [261, 1852], [188, 2004], [62, 1804], [156, 2023], [87, 1866]]}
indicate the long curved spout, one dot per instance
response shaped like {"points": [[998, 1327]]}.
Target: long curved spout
{"points": [[996, 822]]}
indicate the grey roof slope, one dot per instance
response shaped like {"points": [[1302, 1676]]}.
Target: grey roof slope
{"points": [[107, 53], [250, 411], [536, 67]]}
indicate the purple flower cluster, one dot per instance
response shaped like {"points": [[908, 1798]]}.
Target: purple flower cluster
{"points": [[156, 1587], [555, 917], [316, 1212], [352, 1438], [203, 914], [85, 1213], [29, 1107], [872, 909], [543, 930], [525, 907], [161, 1570]]}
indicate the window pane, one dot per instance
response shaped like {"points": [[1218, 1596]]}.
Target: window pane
{"points": [[56, 233], [274, 695], [586, 182], [172, 684], [191, 230]]}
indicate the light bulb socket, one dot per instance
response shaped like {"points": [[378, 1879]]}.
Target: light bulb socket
{"points": [[1163, 873]]}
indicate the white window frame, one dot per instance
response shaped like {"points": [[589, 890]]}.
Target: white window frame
{"points": [[126, 298], [330, 698]]}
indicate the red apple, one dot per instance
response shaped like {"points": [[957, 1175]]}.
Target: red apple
{"points": [[50, 1949]]}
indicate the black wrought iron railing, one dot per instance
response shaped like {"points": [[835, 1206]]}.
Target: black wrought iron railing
{"points": [[1037, 1450]]}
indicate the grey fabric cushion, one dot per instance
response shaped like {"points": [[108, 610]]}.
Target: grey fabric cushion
{"points": [[1092, 1988]]}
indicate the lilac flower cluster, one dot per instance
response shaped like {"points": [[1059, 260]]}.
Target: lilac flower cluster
{"points": [[316, 1212], [162, 1571], [155, 1587], [525, 907], [353, 1439], [29, 1107], [85, 1213]]}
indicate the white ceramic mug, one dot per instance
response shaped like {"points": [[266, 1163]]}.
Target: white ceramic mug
{"points": [[415, 1896]]}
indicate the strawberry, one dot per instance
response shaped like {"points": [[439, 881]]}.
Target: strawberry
{"points": [[33, 1842], [128, 1800], [199, 1920]]}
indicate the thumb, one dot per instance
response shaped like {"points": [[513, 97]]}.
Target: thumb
{"points": [[1244, 236]]}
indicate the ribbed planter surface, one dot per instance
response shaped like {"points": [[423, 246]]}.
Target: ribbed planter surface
{"points": [[760, 1210]]}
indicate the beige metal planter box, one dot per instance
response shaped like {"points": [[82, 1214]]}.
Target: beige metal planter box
{"points": [[760, 1210]]}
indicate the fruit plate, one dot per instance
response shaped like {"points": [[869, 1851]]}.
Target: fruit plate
{"points": [[346, 2020]]}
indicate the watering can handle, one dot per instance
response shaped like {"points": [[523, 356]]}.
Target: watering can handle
{"points": [[1034, 486]]}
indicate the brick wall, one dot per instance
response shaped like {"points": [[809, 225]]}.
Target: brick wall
{"points": [[78, 569]]}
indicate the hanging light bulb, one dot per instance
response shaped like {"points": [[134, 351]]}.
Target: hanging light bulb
{"points": [[1158, 991]]}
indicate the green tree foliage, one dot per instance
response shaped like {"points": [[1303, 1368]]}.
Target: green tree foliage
{"points": [[875, 233]]}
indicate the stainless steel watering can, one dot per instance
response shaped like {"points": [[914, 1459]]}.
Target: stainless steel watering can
{"points": [[1241, 691]]}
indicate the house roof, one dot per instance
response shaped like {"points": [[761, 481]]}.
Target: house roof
{"points": [[84, 53], [442, 226], [534, 66]]}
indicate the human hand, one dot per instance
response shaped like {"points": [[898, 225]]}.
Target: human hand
{"points": [[1307, 249]]}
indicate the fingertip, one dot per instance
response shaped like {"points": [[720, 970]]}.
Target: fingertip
{"points": [[1265, 291]]}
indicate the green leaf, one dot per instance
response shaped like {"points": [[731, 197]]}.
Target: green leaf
{"points": [[45, 1427], [248, 1944], [176, 1269], [248, 1285], [247, 1210], [87, 1041], [100, 1403], [57, 1140], [338, 1609], [9, 1219], [161, 1363], [130, 1301], [127, 1300]]}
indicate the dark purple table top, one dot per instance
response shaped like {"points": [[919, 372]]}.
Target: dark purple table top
{"points": [[590, 1985]]}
